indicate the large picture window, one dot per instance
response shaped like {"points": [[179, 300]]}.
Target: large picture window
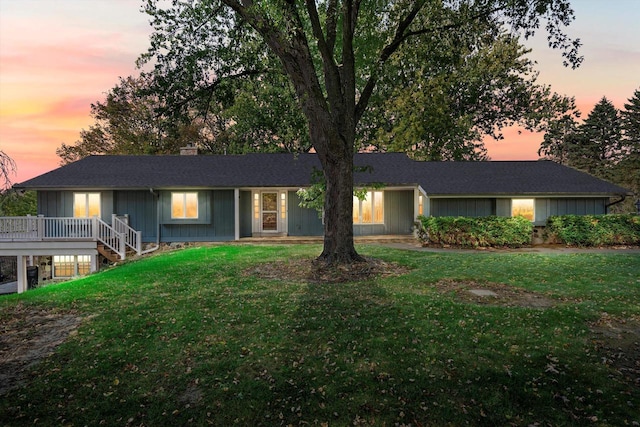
{"points": [[86, 205], [370, 210], [523, 207], [184, 205]]}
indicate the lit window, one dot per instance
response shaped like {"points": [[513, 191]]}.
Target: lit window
{"points": [[370, 210], [356, 210], [71, 265], [420, 205], [256, 206], [84, 264], [522, 207], [283, 205], [86, 205], [184, 205]]}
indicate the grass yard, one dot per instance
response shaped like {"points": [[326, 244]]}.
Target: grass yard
{"points": [[240, 335]]}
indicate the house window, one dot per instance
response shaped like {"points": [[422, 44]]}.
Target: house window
{"points": [[523, 207], [420, 205], [71, 265], [256, 206], [283, 206], [370, 210], [184, 205], [86, 205]]}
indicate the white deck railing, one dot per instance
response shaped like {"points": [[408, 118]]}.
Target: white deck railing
{"points": [[132, 238], [39, 228]]}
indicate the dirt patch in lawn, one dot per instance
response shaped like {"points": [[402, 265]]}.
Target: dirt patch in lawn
{"points": [[618, 340], [28, 335], [312, 271], [497, 294]]}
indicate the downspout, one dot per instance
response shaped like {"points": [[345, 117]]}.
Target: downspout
{"points": [[157, 246], [606, 207]]}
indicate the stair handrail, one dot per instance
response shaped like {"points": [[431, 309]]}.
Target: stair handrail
{"points": [[132, 237], [111, 238]]}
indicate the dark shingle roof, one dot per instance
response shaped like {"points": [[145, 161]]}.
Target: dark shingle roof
{"points": [[288, 170]]}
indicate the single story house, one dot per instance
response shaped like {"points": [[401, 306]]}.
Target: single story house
{"points": [[110, 204]]}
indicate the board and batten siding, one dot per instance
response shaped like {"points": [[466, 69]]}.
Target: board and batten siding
{"points": [[543, 207], [398, 215], [216, 219], [398, 211], [246, 211], [546, 207], [142, 208], [302, 221], [59, 204], [470, 207]]}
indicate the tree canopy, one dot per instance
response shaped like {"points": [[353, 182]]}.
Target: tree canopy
{"points": [[428, 77], [338, 58]]}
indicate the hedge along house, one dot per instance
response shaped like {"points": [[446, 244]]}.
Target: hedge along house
{"points": [[108, 205]]}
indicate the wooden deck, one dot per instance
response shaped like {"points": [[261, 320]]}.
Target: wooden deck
{"points": [[41, 232]]}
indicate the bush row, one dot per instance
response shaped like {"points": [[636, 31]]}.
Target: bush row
{"points": [[593, 230], [492, 231]]}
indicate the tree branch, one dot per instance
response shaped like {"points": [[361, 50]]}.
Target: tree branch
{"points": [[331, 73], [401, 35], [386, 52]]}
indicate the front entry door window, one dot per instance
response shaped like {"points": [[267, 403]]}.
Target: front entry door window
{"points": [[269, 211]]}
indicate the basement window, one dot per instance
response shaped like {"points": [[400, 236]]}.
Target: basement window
{"points": [[71, 265]]}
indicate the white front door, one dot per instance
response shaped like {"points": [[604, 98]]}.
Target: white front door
{"points": [[269, 212]]}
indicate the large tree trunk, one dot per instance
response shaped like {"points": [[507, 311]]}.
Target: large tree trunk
{"points": [[338, 207], [332, 120], [335, 151]]}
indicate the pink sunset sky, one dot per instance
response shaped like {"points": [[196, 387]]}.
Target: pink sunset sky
{"points": [[58, 57]]}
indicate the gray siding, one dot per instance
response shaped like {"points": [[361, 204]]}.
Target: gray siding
{"points": [[369, 229], [245, 213], [568, 206], [55, 203], [60, 203], [398, 212], [142, 208], [398, 217], [503, 207], [204, 209], [302, 221], [463, 207], [216, 224]]}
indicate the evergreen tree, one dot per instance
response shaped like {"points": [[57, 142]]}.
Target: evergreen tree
{"points": [[560, 135], [631, 123], [628, 169], [598, 146]]}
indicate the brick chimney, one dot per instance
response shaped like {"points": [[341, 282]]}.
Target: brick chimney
{"points": [[189, 150]]}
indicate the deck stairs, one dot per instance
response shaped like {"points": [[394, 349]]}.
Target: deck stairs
{"points": [[113, 256]]}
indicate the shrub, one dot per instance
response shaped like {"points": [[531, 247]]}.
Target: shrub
{"points": [[594, 230], [491, 231]]}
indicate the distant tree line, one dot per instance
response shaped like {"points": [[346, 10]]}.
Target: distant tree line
{"points": [[471, 87], [606, 144]]}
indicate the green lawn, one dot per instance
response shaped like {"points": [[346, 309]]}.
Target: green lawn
{"points": [[195, 337]]}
